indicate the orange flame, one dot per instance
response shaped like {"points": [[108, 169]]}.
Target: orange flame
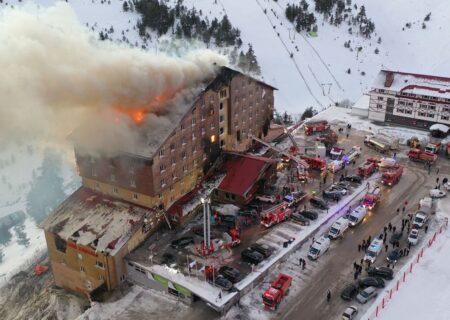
{"points": [[137, 114]]}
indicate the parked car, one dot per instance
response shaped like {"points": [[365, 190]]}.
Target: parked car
{"points": [[221, 282], [350, 313], [436, 193], [232, 274], [319, 203], [349, 292], [383, 272], [366, 294], [376, 282], [169, 260], [227, 219], [332, 194], [251, 256], [266, 198], [263, 249], [342, 185], [300, 218], [396, 236], [413, 237], [354, 179], [294, 198], [419, 220], [310, 214], [394, 255], [182, 242]]}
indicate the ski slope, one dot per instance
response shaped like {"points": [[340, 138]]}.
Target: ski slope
{"points": [[316, 74]]}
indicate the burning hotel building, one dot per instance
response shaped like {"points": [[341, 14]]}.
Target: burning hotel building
{"points": [[124, 197]]}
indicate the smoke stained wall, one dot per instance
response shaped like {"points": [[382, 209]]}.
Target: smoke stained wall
{"points": [[57, 76]]}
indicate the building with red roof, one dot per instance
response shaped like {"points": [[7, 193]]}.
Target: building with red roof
{"points": [[244, 175]]}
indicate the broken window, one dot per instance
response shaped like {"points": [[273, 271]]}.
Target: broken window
{"points": [[99, 264], [60, 244]]}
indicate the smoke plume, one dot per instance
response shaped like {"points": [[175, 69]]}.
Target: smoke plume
{"points": [[57, 76]]}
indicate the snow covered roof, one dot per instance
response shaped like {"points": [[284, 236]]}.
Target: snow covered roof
{"points": [[362, 103], [439, 127], [91, 219], [419, 84]]}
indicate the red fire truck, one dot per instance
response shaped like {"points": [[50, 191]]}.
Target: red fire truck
{"points": [[312, 127], [422, 156], [392, 176], [372, 197], [278, 289], [368, 167], [275, 215], [315, 162]]}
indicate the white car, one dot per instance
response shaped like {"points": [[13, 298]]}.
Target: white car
{"points": [[266, 198], [436, 193], [350, 313], [387, 162], [413, 236]]}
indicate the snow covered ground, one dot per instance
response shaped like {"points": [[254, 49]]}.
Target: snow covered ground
{"points": [[316, 74], [20, 165], [427, 289]]}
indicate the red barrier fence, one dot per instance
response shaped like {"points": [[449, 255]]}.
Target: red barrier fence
{"points": [[406, 271]]}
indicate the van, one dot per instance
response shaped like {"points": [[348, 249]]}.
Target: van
{"points": [[319, 247], [374, 250], [357, 216], [338, 228]]}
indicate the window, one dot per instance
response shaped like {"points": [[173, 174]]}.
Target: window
{"points": [[101, 277], [161, 153], [171, 188], [132, 181], [211, 111], [174, 161], [222, 143], [99, 264], [408, 111], [238, 135], [174, 176], [203, 131], [195, 162], [112, 177], [115, 190], [162, 168], [379, 106], [132, 168], [401, 103], [400, 110], [221, 130], [216, 192], [122, 277], [221, 119], [182, 126], [183, 154], [223, 93], [430, 115], [431, 107], [79, 256], [221, 106], [60, 244], [422, 114], [194, 149], [135, 196], [193, 121], [193, 135], [203, 116], [172, 147], [183, 140], [184, 168], [380, 98], [82, 269], [162, 183], [444, 117], [93, 172]]}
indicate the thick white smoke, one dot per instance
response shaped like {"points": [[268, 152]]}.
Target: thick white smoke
{"points": [[56, 75]]}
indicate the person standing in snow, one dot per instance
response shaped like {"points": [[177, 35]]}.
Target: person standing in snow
{"points": [[328, 296]]}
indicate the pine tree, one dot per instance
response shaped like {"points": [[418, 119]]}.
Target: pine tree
{"points": [[253, 66], [125, 6], [377, 51]]}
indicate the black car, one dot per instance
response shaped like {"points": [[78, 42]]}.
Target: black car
{"points": [[319, 203], [251, 256], [332, 194], [182, 242], [394, 255], [383, 272], [221, 282], [263, 249], [297, 216], [169, 259], [376, 282], [311, 215], [349, 292], [232, 274], [354, 179], [227, 219], [396, 236]]}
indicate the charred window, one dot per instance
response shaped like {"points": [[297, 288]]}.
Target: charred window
{"points": [[238, 135], [61, 244]]}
